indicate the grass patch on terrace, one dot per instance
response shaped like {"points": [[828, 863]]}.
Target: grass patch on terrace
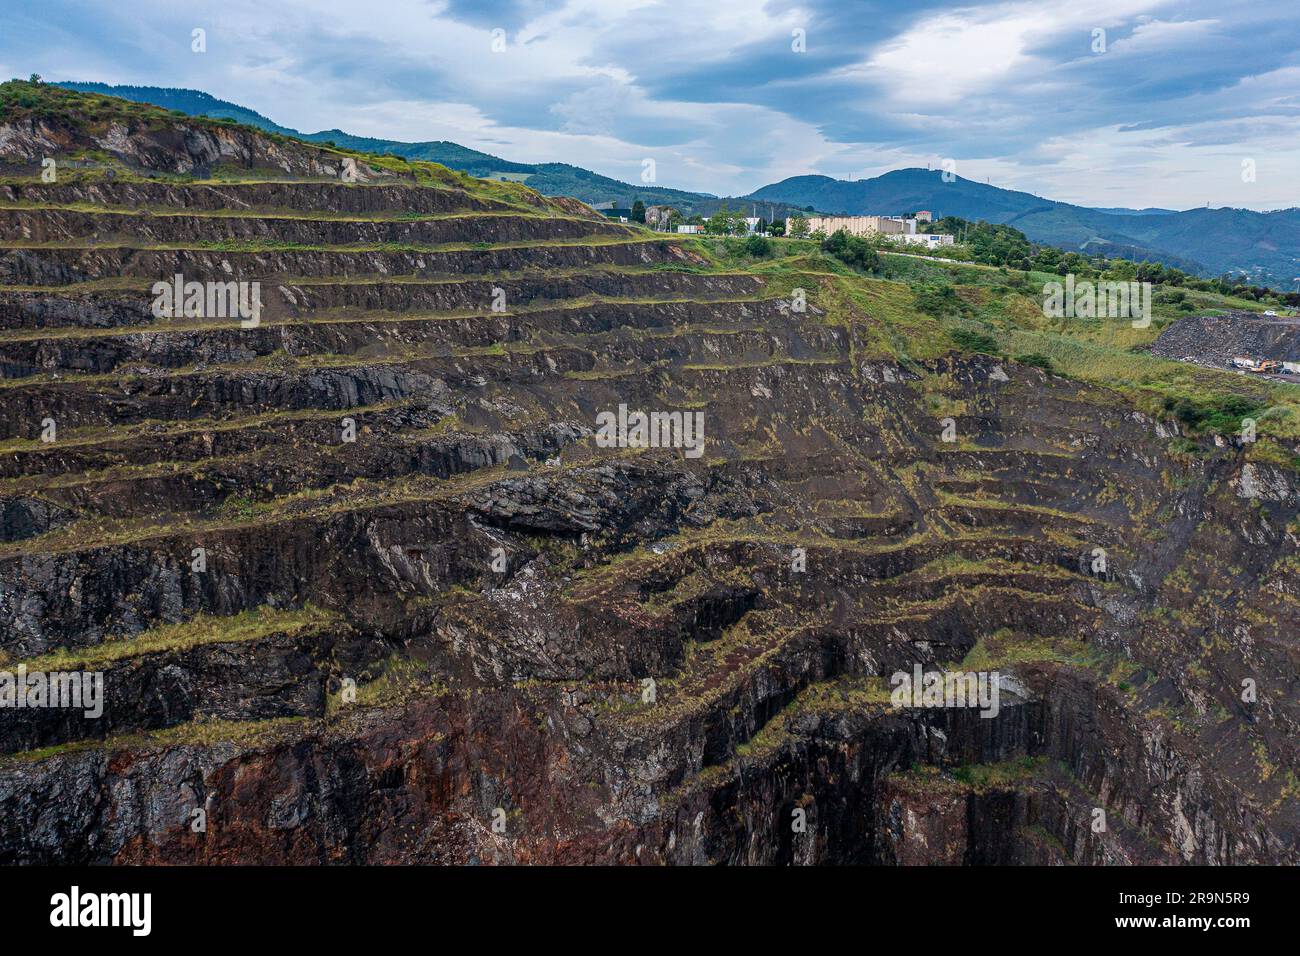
{"points": [[276, 212], [775, 360], [712, 670], [181, 326], [142, 286], [1002, 569], [980, 778], [349, 316], [399, 679], [1266, 452], [310, 504], [900, 609], [201, 733], [282, 362], [850, 694], [948, 499], [152, 428], [202, 629], [258, 246], [1004, 647], [118, 473]]}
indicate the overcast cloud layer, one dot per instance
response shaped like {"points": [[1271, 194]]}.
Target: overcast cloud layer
{"points": [[715, 94]]}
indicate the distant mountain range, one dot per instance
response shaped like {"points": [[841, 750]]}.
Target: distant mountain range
{"points": [[1265, 247]]}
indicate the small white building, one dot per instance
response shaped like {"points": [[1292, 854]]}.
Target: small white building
{"points": [[931, 240], [691, 229]]}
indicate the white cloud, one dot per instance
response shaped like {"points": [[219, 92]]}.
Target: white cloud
{"points": [[996, 85], [1159, 36], [947, 56], [1175, 167]]}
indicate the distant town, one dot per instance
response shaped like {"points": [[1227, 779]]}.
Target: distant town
{"points": [[905, 229]]}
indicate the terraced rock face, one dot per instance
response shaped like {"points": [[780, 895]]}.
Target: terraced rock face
{"points": [[364, 582]]}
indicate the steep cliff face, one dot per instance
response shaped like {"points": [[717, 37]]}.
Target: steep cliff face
{"points": [[366, 583], [151, 141]]}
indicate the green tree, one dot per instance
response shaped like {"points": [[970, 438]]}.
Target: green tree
{"points": [[638, 211], [1046, 259], [719, 224], [798, 227], [852, 250], [1121, 269], [989, 243]]}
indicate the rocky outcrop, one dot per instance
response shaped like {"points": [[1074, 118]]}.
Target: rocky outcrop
{"points": [[178, 145], [1216, 340]]}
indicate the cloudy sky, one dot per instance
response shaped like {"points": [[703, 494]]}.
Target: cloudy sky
{"points": [[1103, 103]]}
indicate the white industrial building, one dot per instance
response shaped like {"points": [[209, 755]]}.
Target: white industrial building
{"points": [[891, 227], [931, 240]]}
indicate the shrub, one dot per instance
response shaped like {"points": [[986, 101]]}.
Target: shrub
{"points": [[1036, 359], [1219, 413], [971, 341], [939, 301], [758, 247]]}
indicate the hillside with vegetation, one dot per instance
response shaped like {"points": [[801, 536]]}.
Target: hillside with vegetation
{"points": [[549, 179], [366, 586], [1260, 247]]}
